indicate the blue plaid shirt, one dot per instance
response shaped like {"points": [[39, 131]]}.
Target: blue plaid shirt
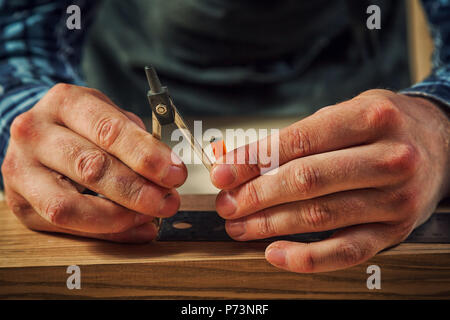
{"points": [[33, 58]]}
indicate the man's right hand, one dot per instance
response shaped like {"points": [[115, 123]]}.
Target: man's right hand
{"points": [[73, 139]]}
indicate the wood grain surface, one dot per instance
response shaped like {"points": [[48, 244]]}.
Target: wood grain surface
{"points": [[33, 265]]}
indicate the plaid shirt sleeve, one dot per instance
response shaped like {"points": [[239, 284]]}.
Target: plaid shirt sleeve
{"points": [[37, 50], [437, 85]]}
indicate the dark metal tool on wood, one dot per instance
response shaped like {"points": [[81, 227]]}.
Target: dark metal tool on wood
{"points": [[208, 226], [164, 113]]}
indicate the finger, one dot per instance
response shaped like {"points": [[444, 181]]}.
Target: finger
{"points": [[133, 117], [83, 162], [19, 206], [366, 166], [30, 218], [354, 122], [64, 207], [113, 132], [140, 234], [319, 214], [344, 249], [145, 232]]}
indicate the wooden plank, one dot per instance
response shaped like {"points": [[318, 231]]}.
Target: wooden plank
{"points": [[33, 265], [403, 276]]}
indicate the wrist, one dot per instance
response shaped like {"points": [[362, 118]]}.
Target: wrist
{"points": [[441, 114]]}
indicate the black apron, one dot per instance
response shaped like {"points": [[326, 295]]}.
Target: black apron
{"points": [[229, 57]]}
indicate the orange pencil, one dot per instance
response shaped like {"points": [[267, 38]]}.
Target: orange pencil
{"points": [[218, 147]]}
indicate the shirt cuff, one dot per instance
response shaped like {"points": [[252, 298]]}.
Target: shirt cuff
{"points": [[434, 88]]}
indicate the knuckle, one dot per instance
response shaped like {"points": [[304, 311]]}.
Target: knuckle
{"points": [[61, 89], [95, 91], [21, 209], [59, 97], [91, 166], [57, 210], [17, 207], [9, 166], [406, 201], [70, 148], [252, 195], [299, 142], [130, 189], [98, 94], [404, 160], [304, 263], [382, 113], [351, 204], [316, 216], [135, 118], [375, 92], [352, 253], [304, 179], [266, 226], [107, 130], [22, 126], [325, 109], [134, 194]]}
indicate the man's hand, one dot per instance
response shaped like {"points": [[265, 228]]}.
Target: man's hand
{"points": [[375, 166], [73, 139]]}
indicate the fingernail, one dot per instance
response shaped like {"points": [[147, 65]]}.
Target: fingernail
{"points": [[277, 256], [225, 204], [169, 205], [174, 176], [224, 175], [145, 233], [235, 229]]}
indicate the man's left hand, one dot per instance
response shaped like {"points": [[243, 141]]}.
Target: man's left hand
{"points": [[375, 167]]}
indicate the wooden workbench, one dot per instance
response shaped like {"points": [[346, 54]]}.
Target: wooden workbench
{"points": [[34, 265]]}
